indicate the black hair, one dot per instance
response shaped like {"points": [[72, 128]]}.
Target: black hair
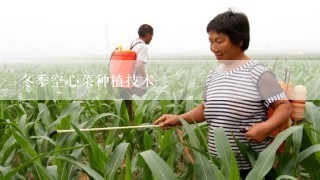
{"points": [[144, 29], [233, 24]]}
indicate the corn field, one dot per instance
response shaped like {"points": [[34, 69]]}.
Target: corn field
{"points": [[27, 152]]}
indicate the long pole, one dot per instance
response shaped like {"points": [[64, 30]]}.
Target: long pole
{"points": [[102, 129]]}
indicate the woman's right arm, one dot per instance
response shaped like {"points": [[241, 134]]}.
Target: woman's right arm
{"points": [[195, 115]]}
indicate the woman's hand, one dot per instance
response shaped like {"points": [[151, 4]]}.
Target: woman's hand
{"points": [[166, 121], [258, 132]]}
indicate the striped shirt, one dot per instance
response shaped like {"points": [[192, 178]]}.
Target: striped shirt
{"points": [[237, 99]]}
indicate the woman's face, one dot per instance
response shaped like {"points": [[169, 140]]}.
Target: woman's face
{"points": [[222, 47]]}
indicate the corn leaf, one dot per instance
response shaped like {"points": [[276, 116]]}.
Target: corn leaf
{"points": [[202, 165], [313, 116], [267, 157], [147, 141], [14, 171], [29, 149], [72, 108], [87, 169], [286, 177], [290, 166], [159, 168], [296, 141], [311, 163], [45, 116], [23, 124], [96, 157], [225, 153], [247, 152], [115, 160], [112, 133], [94, 119], [128, 175], [8, 146], [165, 140]]}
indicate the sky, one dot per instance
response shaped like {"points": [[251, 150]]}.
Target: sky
{"points": [[61, 29]]}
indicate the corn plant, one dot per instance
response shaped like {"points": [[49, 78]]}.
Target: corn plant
{"points": [[26, 151]]}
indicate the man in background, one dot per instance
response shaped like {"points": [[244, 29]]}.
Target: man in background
{"points": [[142, 80], [139, 45]]}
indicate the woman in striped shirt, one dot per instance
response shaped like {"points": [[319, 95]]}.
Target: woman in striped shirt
{"points": [[238, 93]]}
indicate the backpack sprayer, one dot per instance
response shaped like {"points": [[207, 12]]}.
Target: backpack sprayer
{"points": [[297, 97], [122, 64]]}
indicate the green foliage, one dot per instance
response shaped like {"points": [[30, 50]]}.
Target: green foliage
{"points": [[202, 165], [226, 155], [158, 167], [115, 160], [26, 150], [267, 157]]}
